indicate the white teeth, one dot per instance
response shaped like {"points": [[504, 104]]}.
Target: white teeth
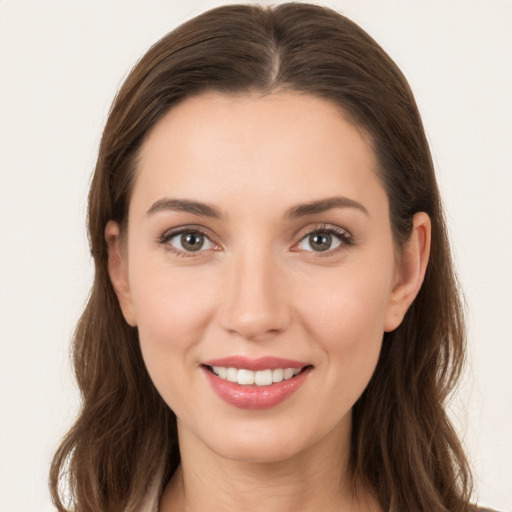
{"points": [[288, 373], [231, 374], [245, 377], [220, 371], [263, 378], [277, 375], [259, 378]]}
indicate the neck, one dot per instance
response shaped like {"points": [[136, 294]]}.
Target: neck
{"points": [[317, 479]]}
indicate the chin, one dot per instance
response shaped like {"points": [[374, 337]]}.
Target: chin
{"points": [[270, 452], [260, 442]]}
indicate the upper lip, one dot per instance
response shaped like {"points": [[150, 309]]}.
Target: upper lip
{"points": [[260, 363]]}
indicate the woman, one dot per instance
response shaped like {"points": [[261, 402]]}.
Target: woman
{"points": [[274, 321]]}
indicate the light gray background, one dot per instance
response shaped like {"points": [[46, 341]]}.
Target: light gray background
{"points": [[60, 65]]}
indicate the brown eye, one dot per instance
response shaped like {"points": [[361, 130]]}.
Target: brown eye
{"points": [[192, 241], [189, 241], [320, 241], [324, 240]]}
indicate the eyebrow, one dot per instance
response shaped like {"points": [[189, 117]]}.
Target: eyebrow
{"points": [[324, 205], [185, 205], [301, 210]]}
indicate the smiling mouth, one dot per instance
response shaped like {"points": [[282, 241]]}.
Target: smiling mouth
{"points": [[265, 377]]}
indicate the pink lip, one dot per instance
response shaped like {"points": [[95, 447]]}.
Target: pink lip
{"points": [[262, 363], [255, 397]]}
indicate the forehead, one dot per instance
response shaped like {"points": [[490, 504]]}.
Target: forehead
{"points": [[285, 146]]}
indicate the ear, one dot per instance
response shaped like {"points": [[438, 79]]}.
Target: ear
{"points": [[410, 272], [118, 271]]}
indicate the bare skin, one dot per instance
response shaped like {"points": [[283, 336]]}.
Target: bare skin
{"points": [[286, 486], [292, 257]]}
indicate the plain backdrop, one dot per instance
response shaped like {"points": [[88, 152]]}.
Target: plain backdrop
{"points": [[61, 63]]}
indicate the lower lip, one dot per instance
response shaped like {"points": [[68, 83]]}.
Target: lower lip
{"points": [[255, 397]]}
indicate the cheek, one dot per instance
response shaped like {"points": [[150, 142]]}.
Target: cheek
{"points": [[172, 310], [348, 305], [345, 316]]}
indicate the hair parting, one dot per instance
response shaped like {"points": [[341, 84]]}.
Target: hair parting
{"points": [[404, 448]]}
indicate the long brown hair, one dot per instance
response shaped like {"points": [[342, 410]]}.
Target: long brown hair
{"points": [[404, 448]]}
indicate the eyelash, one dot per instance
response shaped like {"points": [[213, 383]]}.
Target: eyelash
{"points": [[169, 235], [344, 237]]}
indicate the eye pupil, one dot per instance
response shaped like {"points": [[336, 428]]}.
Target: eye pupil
{"points": [[320, 241], [192, 241]]}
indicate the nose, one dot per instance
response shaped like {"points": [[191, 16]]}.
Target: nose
{"points": [[255, 303]]}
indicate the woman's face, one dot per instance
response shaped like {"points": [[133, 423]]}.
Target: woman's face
{"points": [[258, 243]]}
